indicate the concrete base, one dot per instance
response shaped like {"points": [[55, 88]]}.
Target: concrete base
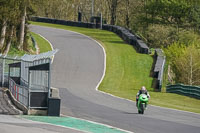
{"points": [[37, 112], [54, 93]]}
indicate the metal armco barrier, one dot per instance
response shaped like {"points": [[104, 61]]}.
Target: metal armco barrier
{"points": [[20, 93], [192, 91], [159, 67]]}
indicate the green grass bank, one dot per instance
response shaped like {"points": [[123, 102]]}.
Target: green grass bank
{"points": [[127, 70]]}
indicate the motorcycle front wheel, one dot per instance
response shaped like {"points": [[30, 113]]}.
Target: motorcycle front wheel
{"points": [[142, 108]]}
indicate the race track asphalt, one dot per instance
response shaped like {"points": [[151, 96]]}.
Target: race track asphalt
{"points": [[76, 71]]}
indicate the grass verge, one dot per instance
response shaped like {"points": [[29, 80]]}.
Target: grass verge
{"points": [[127, 70], [43, 45]]}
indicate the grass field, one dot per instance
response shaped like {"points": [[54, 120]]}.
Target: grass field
{"points": [[127, 70]]}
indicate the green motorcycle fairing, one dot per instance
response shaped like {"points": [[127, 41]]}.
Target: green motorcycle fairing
{"points": [[142, 100]]}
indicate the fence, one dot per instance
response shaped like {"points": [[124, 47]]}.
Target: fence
{"points": [[20, 93], [4, 69], [192, 91]]}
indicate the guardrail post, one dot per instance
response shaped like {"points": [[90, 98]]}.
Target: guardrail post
{"points": [[3, 65], [17, 93], [49, 78], [29, 76]]}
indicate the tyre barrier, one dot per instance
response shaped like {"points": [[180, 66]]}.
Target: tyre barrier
{"points": [[128, 37], [125, 34]]}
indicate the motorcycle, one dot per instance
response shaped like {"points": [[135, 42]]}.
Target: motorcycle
{"points": [[142, 103]]}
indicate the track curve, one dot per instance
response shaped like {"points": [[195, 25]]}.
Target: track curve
{"points": [[77, 69]]}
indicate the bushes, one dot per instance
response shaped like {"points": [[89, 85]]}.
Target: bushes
{"points": [[187, 37], [183, 57], [184, 61], [160, 35]]}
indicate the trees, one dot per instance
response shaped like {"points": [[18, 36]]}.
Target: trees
{"points": [[4, 10], [177, 13], [184, 61], [22, 23], [112, 5], [188, 67], [12, 24], [13, 18], [60, 9], [161, 35], [26, 7], [3, 33], [5, 52], [9, 18]]}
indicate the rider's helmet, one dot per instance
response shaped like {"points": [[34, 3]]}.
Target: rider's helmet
{"points": [[143, 89]]}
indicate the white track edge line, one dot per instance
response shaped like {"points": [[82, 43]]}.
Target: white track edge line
{"points": [[49, 44], [47, 41]]}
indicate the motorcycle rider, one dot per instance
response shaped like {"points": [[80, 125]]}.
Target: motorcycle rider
{"points": [[143, 90]]}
